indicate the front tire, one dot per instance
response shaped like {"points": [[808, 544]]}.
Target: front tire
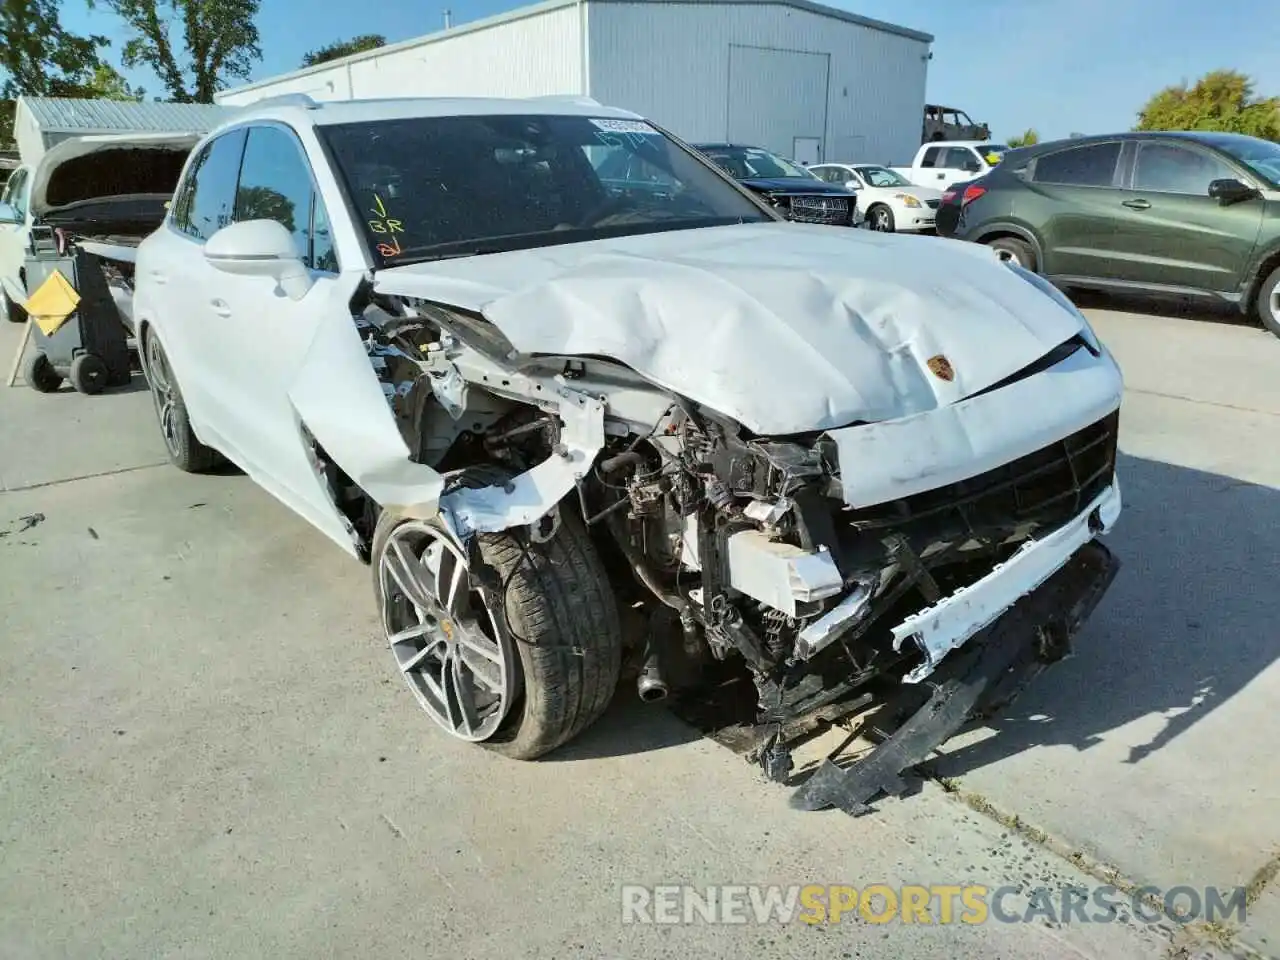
{"points": [[1268, 306], [881, 219], [89, 374], [524, 650], [185, 451], [40, 374], [1015, 251]]}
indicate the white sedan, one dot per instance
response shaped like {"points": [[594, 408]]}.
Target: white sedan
{"points": [[888, 201]]}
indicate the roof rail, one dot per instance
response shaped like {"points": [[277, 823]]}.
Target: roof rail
{"points": [[286, 100]]}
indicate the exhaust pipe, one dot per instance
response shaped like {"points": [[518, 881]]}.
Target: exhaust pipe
{"points": [[651, 684]]}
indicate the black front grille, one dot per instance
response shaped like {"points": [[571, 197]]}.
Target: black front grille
{"points": [[1040, 491], [933, 204], [829, 210]]}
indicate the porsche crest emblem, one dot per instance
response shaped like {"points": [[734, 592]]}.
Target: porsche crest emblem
{"points": [[941, 368]]}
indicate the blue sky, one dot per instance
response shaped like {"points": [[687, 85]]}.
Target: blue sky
{"points": [[1056, 65]]}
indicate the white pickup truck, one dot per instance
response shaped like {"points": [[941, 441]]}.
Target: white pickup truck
{"points": [[945, 162]]}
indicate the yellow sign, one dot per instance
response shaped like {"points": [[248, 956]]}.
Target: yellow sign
{"points": [[53, 303]]}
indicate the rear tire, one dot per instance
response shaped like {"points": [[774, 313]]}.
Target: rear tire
{"points": [[1015, 250], [40, 374], [1268, 306], [563, 638], [185, 451], [13, 313]]}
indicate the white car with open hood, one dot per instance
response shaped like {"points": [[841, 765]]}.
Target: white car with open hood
{"points": [[541, 405], [110, 186]]}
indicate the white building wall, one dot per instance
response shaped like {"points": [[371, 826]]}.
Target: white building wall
{"points": [[534, 55], [700, 69]]}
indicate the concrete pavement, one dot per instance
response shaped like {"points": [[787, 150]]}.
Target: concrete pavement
{"points": [[205, 751]]}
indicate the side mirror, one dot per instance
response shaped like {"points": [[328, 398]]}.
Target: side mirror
{"points": [[260, 248], [1231, 190], [972, 166], [9, 214]]}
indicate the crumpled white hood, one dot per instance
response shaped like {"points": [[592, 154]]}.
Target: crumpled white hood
{"points": [[784, 327]]}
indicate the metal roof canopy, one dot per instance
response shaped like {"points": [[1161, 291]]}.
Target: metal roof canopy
{"points": [[521, 13], [71, 115]]}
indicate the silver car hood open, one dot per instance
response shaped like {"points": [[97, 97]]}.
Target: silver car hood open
{"points": [[784, 327]]}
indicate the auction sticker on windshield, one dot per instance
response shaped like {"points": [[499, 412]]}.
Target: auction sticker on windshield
{"points": [[622, 126]]}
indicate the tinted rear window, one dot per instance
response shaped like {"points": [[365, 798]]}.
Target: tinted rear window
{"points": [[1093, 165]]}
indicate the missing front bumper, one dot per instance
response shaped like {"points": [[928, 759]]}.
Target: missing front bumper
{"points": [[992, 668]]}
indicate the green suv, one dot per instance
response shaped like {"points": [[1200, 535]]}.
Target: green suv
{"points": [[1189, 214]]}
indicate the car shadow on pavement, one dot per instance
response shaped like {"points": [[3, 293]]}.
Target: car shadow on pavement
{"points": [[1188, 623], [1204, 311], [629, 726]]}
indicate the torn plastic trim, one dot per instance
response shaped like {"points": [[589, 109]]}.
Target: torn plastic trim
{"points": [[1007, 651], [953, 620], [528, 496], [820, 634]]}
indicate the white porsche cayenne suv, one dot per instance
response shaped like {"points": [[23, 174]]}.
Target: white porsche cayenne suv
{"points": [[581, 426]]}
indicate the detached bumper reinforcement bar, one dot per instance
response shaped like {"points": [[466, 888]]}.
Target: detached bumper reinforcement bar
{"points": [[1012, 644]]}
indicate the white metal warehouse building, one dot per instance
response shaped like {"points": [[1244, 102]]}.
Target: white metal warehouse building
{"points": [[799, 78]]}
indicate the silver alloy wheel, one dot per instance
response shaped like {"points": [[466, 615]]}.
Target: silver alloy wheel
{"points": [[442, 633], [165, 395], [1275, 304], [882, 220]]}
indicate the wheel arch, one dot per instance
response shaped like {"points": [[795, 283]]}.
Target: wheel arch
{"points": [[1013, 231], [1269, 261]]}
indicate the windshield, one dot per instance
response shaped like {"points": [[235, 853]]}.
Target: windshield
{"points": [[1260, 156], [745, 163], [882, 177], [433, 187]]}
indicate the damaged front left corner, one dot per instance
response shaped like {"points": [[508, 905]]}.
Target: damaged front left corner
{"points": [[413, 349]]}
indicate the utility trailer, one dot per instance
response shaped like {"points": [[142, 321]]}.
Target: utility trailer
{"points": [[93, 347]]}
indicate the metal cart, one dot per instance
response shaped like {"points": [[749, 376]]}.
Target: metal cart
{"points": [[92, 348]]}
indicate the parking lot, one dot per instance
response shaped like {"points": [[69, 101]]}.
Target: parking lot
{"points": [[205, 751]]}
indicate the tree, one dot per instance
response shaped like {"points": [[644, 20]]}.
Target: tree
{"points": [[1027, 139], [218, 40], [344, 48], [40, 58], [1222, 100]]}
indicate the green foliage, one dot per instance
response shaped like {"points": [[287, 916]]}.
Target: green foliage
{"points": [[1222, 100], [39, 57], [344, 48], [1026, 139], [192, 45]]}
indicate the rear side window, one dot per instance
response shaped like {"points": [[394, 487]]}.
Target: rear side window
{"points": [[1168, 168], [206, 200], [930, 158], [960, 158], [1088, 166]]}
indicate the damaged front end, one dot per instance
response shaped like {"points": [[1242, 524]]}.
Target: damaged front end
{"points": [[944, 555]]}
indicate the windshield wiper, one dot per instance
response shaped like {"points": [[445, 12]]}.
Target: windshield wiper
{"points": [[444, 255]]}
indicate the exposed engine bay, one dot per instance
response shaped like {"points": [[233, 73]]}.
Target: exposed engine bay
{"points": [[743, 547]]}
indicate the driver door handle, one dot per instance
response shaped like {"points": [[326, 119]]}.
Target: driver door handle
{"points": [[158, 277], [1136, 204], [220, 308]]}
